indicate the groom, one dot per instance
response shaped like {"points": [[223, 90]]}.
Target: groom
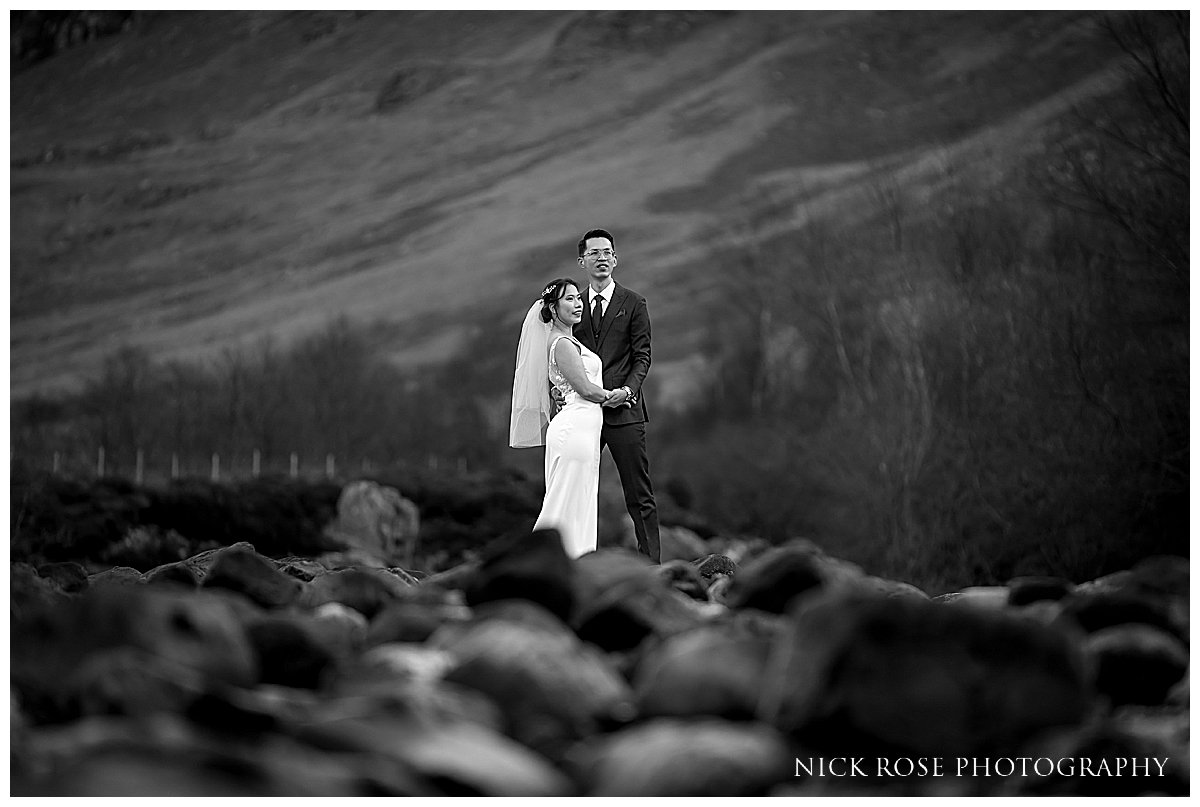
{"points": [[616, 327]]}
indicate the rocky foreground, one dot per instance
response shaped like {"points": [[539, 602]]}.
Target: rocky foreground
{"points": [[786, 672]]}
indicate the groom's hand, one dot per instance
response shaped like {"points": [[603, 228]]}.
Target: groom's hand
{"points": [[619, 397]]}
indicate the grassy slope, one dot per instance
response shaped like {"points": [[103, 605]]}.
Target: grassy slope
{"points": [[221, 176]]}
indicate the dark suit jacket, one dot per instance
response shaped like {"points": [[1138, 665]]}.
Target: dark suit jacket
{"points": [[624, 348]]}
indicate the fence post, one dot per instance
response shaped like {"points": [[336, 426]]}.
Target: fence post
{"points": [[255, 466], [216, 467], [174, 465], [138, 468], [100, 462], [295, 467]]}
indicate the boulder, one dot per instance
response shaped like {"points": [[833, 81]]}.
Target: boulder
{"points": [[532, 566], [1024, 590], [167, 757], [1114, 743], [343, 625], [69, 576], [366, 590], [407, 660], [622, 601], [352, 558], [303, 569], [291, 650], [30, 594], [377, 519], [455, 758], [677, 757], [456, 578], [254, 576], [773, 579], [201, 562], [1154, 592], [684, 578], [130, 681], [116, 576], [467, 757], [551, 687], [680, 543], [202, 635], [867, 674], [1094, 610], [990, 597], [178, 572], [406, 680], [1136, 663], [410, 621], [715, 670]]}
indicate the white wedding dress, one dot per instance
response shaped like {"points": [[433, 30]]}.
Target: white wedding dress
{"points": [[573, 458]]}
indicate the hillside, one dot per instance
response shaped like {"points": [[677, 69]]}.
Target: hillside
{"points": [[202, 179]]}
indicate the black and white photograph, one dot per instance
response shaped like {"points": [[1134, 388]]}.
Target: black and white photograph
{"points": [[583, 403]]}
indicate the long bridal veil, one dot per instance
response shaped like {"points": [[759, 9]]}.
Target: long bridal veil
{"points": [[531, 384]]}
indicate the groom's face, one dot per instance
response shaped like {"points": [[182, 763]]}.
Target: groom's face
{"points": [[598, 260]]}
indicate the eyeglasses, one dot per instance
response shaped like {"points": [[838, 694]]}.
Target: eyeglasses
{"points": [[596, 253]]}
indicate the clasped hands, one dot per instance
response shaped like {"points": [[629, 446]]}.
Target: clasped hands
{"points": [[618, 397]]}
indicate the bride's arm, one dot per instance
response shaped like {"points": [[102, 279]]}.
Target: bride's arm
{"points": [[570, 364]]}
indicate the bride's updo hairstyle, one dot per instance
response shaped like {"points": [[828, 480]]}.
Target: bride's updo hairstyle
{"points": [[551, 295]]}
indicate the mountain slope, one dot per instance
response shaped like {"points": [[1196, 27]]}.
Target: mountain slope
{"points": [[207, 178]]}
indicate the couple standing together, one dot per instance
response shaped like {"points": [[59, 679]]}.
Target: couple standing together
{"points": [[588, 349]]}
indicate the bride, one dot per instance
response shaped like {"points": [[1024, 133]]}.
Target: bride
{"points": [[548, 352]]}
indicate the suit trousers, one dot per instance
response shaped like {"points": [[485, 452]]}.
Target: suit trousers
{"points": [[627, 445]]}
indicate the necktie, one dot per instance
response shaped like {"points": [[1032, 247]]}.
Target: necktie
{"points": [[597, 314]]}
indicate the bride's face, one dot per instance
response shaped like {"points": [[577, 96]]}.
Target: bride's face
{"points": [[568, 309]]}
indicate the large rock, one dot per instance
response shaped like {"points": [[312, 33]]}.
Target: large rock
{"points": [[532, 566], [179, 572], [715, 670], [201, 562], [773, 579], [1154, 592], [377, 519], [1025, 590], [406, 679], [1136, 663], [622, 601], [1113, 743], [29, 593], [130, 681], [116, 576], [345, 626], [253, 576], [684, 578], [995, 598], [168, 757], [410, 621], [67, 575], [868, 674], [551, 687], [200, 633], [291, 650], [673, 757], [367, 591], [455, 758], [680, 543]]}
